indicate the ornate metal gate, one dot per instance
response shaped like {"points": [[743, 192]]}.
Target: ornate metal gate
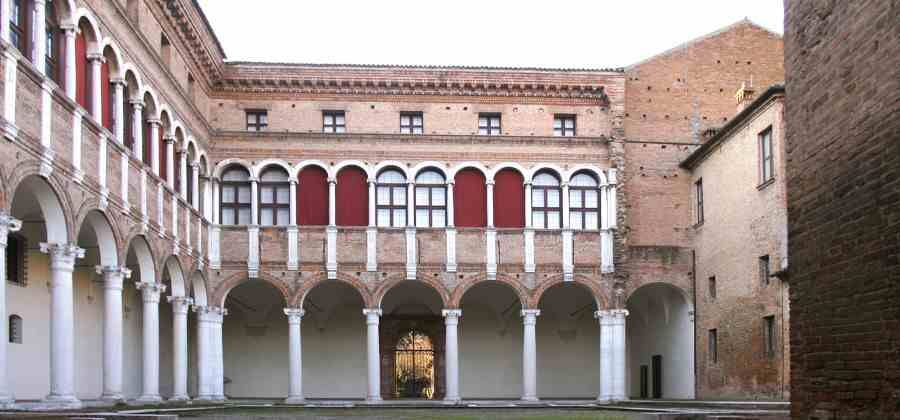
{"points": [[414, 366]]}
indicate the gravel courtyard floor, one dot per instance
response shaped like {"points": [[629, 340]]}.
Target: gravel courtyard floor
{"points": [[402, 414]]}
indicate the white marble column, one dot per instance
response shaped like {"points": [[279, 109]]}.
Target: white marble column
{"points": [[170, 161], [529, 355], [612, 354], [295, 393], [217, 351], [113, 278], [182, 163], [293, 233], [195, 185], [96, 99], [450, 231], [180, 305], [62, 324], [373, 356], [7, 224], [451, 349], [489, 185], [137, 133], [38, 35], [331, 264], [372, 232], [529, 231], [205, 376], [154, 145], [150, 384], [69, 67]]}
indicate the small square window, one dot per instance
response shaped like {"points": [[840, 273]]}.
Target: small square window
{"points": [[411, 123], [712, 287], [489, 124], [257, 120], [764, 273], [564, 125], [333, 122]]}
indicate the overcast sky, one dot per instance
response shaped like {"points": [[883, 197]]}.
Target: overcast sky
{"points": [[558, 33]]}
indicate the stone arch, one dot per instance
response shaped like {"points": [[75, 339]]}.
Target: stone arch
{"points": [[298, 298], [132, 81], [51, 197], [87, 24], [143, 252], [400, 166], [469, 165], [438, 166], [107, 235], [151, 103], [220, 293], [65, 11], [257, 170], [514, 285], [590, 169], [593, 288], [172, 267], [508, 165], [546, 167], [227, 163], [391, 282], [111, 53], [365, 167], [198, 288]]}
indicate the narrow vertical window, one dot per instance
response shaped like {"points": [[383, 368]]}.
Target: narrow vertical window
{"points": [[15, 329], [18, 23], [712, 287], [257, 120], [769, 336], [489, 124], [764, 272], [15, 259], [51, 65], [564, 125], [274, 197], [431, 199], [333, 122], [713, 346], [235, 197], [698, 196], [411, 123], [766, 163], [546, 205], [584, 202], [390, 199]]}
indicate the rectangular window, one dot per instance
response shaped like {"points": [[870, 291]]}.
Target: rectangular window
{"points": [[257, 120], [333, 122], [766, 163], [15, 259], [712, 287], [489, 124], [698, 195], [764, 270], [411, 123], [17, 26], [713, 346], [769, 336], [564, 125]]}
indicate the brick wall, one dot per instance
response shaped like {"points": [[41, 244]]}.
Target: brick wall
{"points": [[843, 75]]}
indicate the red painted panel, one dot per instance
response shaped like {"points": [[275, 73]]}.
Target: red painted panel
{"points": [[352, 197], [509, 199], [163, 156], [312, 197], [81, 65], [106, 97], [470, 199]]}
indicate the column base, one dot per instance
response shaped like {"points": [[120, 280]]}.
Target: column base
{"points": [[530, 399], [452, 400], [112, 398], [178, 398], [295, 400], [7, 402], [60, 402], [148, 399], [373, 400]]}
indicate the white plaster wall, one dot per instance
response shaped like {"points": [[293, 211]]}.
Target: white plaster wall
{"points": [[88, 331], [659, 324], [29, 362], [490, 351], [133, 340], [334, 353], [568, 344]]}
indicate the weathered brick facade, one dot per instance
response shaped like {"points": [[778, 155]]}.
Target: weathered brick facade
{"points": [[843, 135]]}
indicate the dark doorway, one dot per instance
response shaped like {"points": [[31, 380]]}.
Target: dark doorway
{"points": [[412, 357], [657, 376], [414, 366], [644, 379]]}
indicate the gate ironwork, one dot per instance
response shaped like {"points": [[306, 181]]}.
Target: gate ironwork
{"points": [[414, 366]]}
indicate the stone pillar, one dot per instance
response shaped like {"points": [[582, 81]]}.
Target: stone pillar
{"points": [[205, 376], [295, 394], [136, 130], [195, 185], [154, 145], [118, 108], [331, 264], [612, 354], [490, 203], [184, 172], [96, 100], [7, 224], [170, 161], [113, 278], [373, 356], [332, 198], [62, 324], [217, 353], [529, 232], [150, 385], [529, 355], [293, 192], [70, 77], [451, 348], [39, 28], [254, 201], [180, 306], [372, 232]]}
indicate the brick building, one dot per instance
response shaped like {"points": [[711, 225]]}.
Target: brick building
{"points": [[843, 207], [171, 220]]}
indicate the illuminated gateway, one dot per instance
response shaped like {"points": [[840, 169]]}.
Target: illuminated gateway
{"points": [[181, 227]]}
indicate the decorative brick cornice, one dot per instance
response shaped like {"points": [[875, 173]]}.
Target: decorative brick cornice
{"points": [[198, 40]]}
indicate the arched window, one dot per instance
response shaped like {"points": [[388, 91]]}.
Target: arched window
{"points": [[352, 197], [236, 198], [274, 197], [312, 197], [431, 199], [509, 199], [390, 201], [15, 259], [470, 199], [82, 81], [15, 329], [584, 202], [546, 204], [52, 66]]}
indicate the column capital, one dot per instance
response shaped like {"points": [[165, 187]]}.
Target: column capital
{"points": [[294, 315], [8, 224], [117, 81], [293, 182], [210, 313], [372, 315], [136, 103], [371, 181], [490, 182], [451, 182], [113, 275], [169, 139], [150, 291], [180, 304], [451, 313], [96, 57], [611, 315], [527, 183], [194, 164], [564, 184], [154, 121], [530, 315], [68, 28], [612, 176], [332, 181], [62, 256]]}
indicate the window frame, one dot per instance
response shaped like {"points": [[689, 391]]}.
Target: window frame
{"points": [[712, 287], [582, 190], [256, 126], [766, 160], [489, 127], [16, 325], [713, 346], [18, 29], [545, 190], [52, 43], [429, 207], [334, 125], [563, 130], [391, 207], [16, 244], [411, 127], [274, 206], [765, 271], [769, 340], [698, 203], [237, 205]]}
